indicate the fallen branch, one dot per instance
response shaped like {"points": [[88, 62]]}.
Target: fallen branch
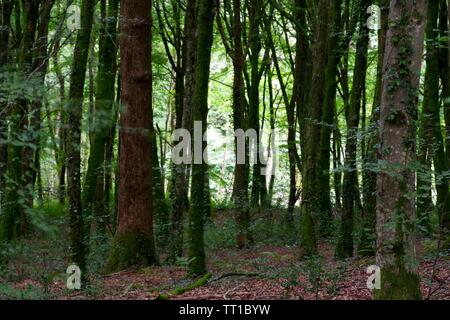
{"points": [[177, 291]]}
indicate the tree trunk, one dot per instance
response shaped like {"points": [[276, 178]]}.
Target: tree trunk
{"points": [[254, 39], [396, 214], [335, 49], [350, 185], [369, 175], [104, 117], [5, 16], [74, 116], [312, 132], [180, 202], [133, 243], [199, 195]]}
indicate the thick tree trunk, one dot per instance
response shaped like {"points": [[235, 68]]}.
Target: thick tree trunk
{"points": [[133, 243], [396, 214], [199, 194]]}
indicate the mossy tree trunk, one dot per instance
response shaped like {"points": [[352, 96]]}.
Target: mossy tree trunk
{"points": [[133, 243], [103, 118], [180, 201], [199, 195], [335, 50], [369, 175], [255, 11], [444, 72], [396, 213], [19, 195], [5, 20], [350, 185], [313, 116], [432, 116], [74, 116]]}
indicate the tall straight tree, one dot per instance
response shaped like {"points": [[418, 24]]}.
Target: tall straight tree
{"points": [[255, 11], [6, 7], [74, 114], [199, 194], [431, 138], [369, 175], [350, 184], [396, 213], [313, 116], [104, 111], [133, 243], [180, 203], [335, 49]]}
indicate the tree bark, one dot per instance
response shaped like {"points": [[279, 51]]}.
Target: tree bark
{"points": [[133, 243], [199, 194], [103, 119], [74, 116], [313, 117], [350, 185], [396, 214]]}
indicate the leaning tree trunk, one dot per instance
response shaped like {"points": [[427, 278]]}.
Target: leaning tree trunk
{"points": [[396, 213], [133, 243], [199, 194]]}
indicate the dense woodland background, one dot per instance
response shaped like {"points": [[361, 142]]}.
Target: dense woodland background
{"points": [[92, 91]]}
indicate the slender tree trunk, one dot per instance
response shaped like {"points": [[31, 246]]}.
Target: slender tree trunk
{"points": [[199, 196], [74, 116], [104, 116], [5, 16], [241, 177], [254, 39], [302, 70], [369, 175], [335, 49], [396, 182], [350, 185], [180, 195], [312, 132]]}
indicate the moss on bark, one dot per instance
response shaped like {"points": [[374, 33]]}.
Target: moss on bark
{"points": [[131, 249], [398, 284]]}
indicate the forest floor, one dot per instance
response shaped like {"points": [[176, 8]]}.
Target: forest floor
{"points": [[258, 273], [261, 272]]}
